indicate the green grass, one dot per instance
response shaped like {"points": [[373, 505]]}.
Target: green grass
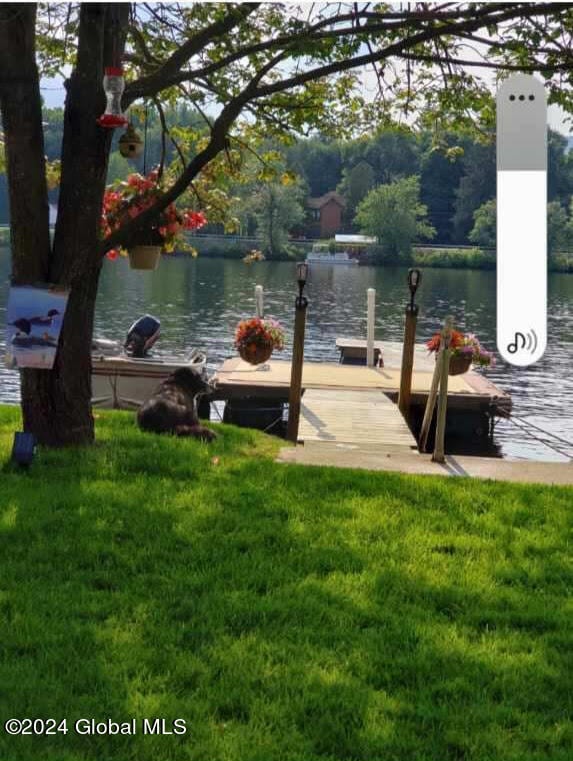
{"points": [[472, 258], [286, 613], [476, 258]]}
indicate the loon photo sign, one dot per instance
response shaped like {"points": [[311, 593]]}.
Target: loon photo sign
{"points": [[33, 324]]}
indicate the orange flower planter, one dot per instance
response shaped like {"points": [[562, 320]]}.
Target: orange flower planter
{"points": [[144, 257], [460, 363], [256, 353]]}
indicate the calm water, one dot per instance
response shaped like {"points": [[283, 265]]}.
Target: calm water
{"points": [[200, 301]]}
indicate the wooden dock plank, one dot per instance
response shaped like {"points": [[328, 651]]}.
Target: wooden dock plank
{"points": [[391, 352], [471, 391], [354, 417], [329, 375]]}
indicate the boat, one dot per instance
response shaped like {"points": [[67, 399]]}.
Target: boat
{"points": [[124, 376], [321, 255], [123, 382]]}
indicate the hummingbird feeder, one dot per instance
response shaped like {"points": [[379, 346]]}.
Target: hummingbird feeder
{"points": [[113, 85]]}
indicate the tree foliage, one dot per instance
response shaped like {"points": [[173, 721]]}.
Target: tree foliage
{"points": [[251, 72], [318, 161], [395, 215], [559, 227], [483, 233], [277, 208], [357, 182]]}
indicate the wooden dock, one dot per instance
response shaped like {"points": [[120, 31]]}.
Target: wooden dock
{"points": [[353, 351], [340, 416], [236, 379]]}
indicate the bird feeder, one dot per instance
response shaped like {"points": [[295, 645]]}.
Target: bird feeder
{"points": [[113, 85], [130, 143]]}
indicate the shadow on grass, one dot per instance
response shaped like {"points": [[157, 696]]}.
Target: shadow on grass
{"points": [[283, 612]]}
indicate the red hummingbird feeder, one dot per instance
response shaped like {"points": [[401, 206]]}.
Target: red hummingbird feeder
{"points": [[113, 85]]}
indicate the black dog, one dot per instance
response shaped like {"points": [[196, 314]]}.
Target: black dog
{"points": [[171, 408]]}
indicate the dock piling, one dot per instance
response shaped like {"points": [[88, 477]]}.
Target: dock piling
{"points": [[259, 301], [407, 366], [371, 301], [436, 381], [295, 391], [439, 450]]}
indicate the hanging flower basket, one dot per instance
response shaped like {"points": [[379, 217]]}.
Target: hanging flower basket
{"points": [[465, 350], [255, 353], [125, 200], [144, 257], [460, 363], [255, 339]]}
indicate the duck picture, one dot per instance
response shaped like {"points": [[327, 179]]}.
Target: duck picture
{"points": [[34, 321], [47, 320], [25, 324], [30, 341]]}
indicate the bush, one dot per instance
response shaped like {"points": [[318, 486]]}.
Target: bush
{"points": [[473, 258], [561, 263], [219, 247]]}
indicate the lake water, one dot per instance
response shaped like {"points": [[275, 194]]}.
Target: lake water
{"points": [[199, 302]]}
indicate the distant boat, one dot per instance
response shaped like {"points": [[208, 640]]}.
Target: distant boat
{"points": [[321, 255]]}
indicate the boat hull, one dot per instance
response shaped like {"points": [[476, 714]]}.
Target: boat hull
{"points": [[125, 383], [332, 262]]}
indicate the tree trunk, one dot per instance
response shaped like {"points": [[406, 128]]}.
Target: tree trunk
{"points": [[21, 109], [56, 404]]}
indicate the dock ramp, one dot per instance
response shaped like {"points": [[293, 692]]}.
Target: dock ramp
{"points": [[342, 416]]}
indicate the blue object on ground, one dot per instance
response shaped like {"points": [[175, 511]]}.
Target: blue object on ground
{"points": [[23, 448]]}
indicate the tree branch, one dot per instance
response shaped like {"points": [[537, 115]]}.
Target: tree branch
{"points": [[398, 48], [126, 234], [153, 83], [471, 19]]}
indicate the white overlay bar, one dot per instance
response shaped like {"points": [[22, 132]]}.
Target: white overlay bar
{"points": [[521, 265]]}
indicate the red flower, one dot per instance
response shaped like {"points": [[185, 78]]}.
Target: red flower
{"points": [[126, 200], [456, 340]]}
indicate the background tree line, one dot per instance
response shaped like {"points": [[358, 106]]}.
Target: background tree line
{"points": [[455, 178]]}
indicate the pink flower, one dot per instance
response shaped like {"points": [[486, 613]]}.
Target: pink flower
{"points": [[127, 199]]}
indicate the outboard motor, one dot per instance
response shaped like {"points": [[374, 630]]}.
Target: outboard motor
{"points": [[141, 336]]}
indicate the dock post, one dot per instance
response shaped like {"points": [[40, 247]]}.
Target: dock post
{"points": [[433, 395], [404, 396], [439, 450], [295, 392], [371, 300], [259, 301]]}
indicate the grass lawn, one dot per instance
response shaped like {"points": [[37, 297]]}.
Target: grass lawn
{"points": [[286, 613]]}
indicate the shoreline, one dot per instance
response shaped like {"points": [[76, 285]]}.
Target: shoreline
{"points": [[218, 247]]}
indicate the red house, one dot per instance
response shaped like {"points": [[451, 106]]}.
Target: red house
{"points": [[325, 215]]}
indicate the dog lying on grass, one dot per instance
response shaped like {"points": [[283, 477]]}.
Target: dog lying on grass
{"points": [[171, 407]]}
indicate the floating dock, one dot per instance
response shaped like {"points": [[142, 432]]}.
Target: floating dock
{"points": [[236, 379], [473, 400]]}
